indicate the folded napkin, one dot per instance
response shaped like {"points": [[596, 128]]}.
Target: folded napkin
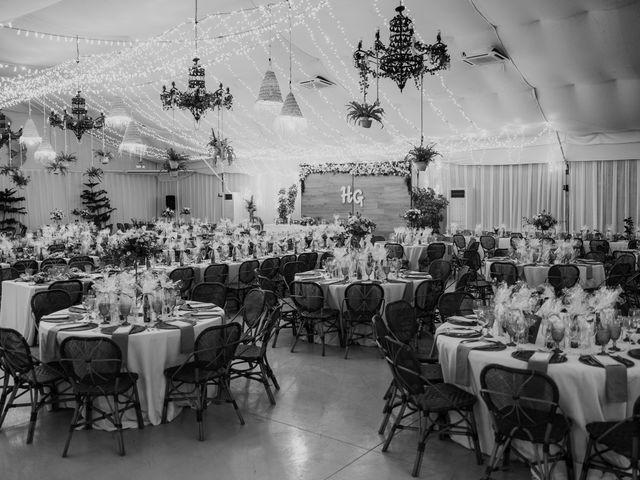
{"points": [[616, 379], [187, 335], [121, 337], [462, 359], [461, 319], [51, 344], [56, 316], [539, 361]]}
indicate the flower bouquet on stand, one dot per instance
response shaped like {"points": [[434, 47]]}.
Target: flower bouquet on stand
{"points": [[357, 227], [543, 221]]}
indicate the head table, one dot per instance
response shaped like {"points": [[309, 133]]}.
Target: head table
{"points": [[149, 353], [581, 387]]}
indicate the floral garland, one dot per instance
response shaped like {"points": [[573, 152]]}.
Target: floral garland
{"points": [[398, 168]]}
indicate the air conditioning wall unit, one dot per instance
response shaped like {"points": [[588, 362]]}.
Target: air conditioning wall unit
{"points": [[481, 59], [232, 207], [459, 209]]}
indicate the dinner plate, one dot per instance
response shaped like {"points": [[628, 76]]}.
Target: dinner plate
{"points": [[460, 334], [525, 355], [462, 323], [634, 353]]}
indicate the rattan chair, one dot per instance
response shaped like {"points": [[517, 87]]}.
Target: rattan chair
{"points": [[432, 402], [245, 282], [284, 259], [489, 244], [597, 256], [270, 267], [599, 245], [287, 317], [41, 382], [455, 303], [618, 437], [251, 361], [460, 242], [394, 250], [362, 300], [82, 262], [217, 273], [524, 406], [501, 252], [207, 366], [49, 263], [625, 257], [56, 248], [253, 311], [309, 259], [23, 265], [440, 270], [186, 276], [74, 288], [47, 302], [563, 276], [425, 300], [210, 292], [94, 367], [504, 272], [314, 316], [618, 275], [435, 251]]}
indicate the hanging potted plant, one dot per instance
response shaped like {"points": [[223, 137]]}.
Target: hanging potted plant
{"points": [[422, 155], [103, 155], [364, 114], [60, 164], [221, 148], [175, 162]]}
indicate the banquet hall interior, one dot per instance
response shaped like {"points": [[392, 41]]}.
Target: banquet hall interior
{"points": [[320, 239]]}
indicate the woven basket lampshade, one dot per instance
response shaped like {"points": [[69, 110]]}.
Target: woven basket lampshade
{"points": [[290, 119], [118, 116], [45, 154], [132, 140], [30, 136], [270, 97]]}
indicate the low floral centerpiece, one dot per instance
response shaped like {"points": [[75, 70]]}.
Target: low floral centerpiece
{"points": [[56, 215], [412, 217], [168, 213]]}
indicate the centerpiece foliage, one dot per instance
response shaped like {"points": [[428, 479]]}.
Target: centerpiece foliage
{"points": [[250, 206], [629, 231], [221, 148], [175, 161], [96, 203], [542, 221], [286, 202], [103, 155], [133, 245], [430, 206], [359, 226], [9, 208]]}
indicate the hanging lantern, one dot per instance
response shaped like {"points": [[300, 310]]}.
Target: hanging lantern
{"points": [[132, 141], [45, 153], [118, 116], [270, 97], [290, 119], [30, 136]]}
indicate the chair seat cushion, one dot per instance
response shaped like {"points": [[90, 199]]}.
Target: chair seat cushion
{"points": [[618, 439], [324, 314], [444, 397], [192, 372], [248, 352], [509, 417], [120, 384], [45, 373]]}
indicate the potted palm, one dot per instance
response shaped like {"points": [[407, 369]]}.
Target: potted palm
{"points": [[175, 161], [221, 148], [364, 114], [103, 155], [422, 155], [61, 163]]}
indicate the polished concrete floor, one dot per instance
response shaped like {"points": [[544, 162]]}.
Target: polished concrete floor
{"points": [[324, 426]]}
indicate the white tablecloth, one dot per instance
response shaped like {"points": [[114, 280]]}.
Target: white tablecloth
{"points": [[591, 276], [414, 253], [149, 353], [15, 307], [581, 387]]}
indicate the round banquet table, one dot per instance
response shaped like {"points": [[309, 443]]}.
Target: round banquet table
{"points": [[581, 387], [15, 306], [149, 353], [592, 275], [414, 253]]}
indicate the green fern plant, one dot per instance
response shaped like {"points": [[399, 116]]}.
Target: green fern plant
{"points": [[364, 113]]}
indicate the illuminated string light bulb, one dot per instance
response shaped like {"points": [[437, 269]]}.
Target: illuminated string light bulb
{"points": [[118, 116], [132, 141]]}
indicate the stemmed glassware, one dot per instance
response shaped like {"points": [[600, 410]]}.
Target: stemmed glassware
{"points": [[170, 298], [156, 304], [615, 329], [603, 335], [368, 269], [557, 335], [125, 303], [104, 309]]}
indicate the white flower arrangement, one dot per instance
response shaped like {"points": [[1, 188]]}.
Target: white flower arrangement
{"points": [[399, 168], [56, 215], [168, 213]]}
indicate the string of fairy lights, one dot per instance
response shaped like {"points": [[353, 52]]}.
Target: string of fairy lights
{"points": [[135, 70]]}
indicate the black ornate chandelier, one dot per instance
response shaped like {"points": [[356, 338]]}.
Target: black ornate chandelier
{"points": [[196, 99], [404, 57], [78, 122]]}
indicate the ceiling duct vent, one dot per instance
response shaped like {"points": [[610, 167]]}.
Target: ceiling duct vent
{"points": [[490, 58], [317, 82]]}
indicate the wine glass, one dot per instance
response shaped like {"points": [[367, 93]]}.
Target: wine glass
{"points": [[170, 301], [104, 308], [477, 307], [509, 325], [124, 305], [345, 270], [368, 270], [557, 335], [615, 329], [156, 304], [603, 335], [386, 269]]}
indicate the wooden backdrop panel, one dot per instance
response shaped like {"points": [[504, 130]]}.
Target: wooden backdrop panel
{"points": [[385, 198]]}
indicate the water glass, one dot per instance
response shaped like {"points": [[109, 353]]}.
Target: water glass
{"points": [[603, 335], [615, 329], [104, 309]]}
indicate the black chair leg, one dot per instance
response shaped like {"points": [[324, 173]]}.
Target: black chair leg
{"points": [[9, 404], [474, 437], [136, 399], [271, 374], [265, 381], [33, 393], [72, 426], [225, 387], [165, 403], [586, 463], [118, 424]]}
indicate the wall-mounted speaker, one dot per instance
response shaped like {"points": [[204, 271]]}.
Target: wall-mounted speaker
{"points": [[170, 202]]}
